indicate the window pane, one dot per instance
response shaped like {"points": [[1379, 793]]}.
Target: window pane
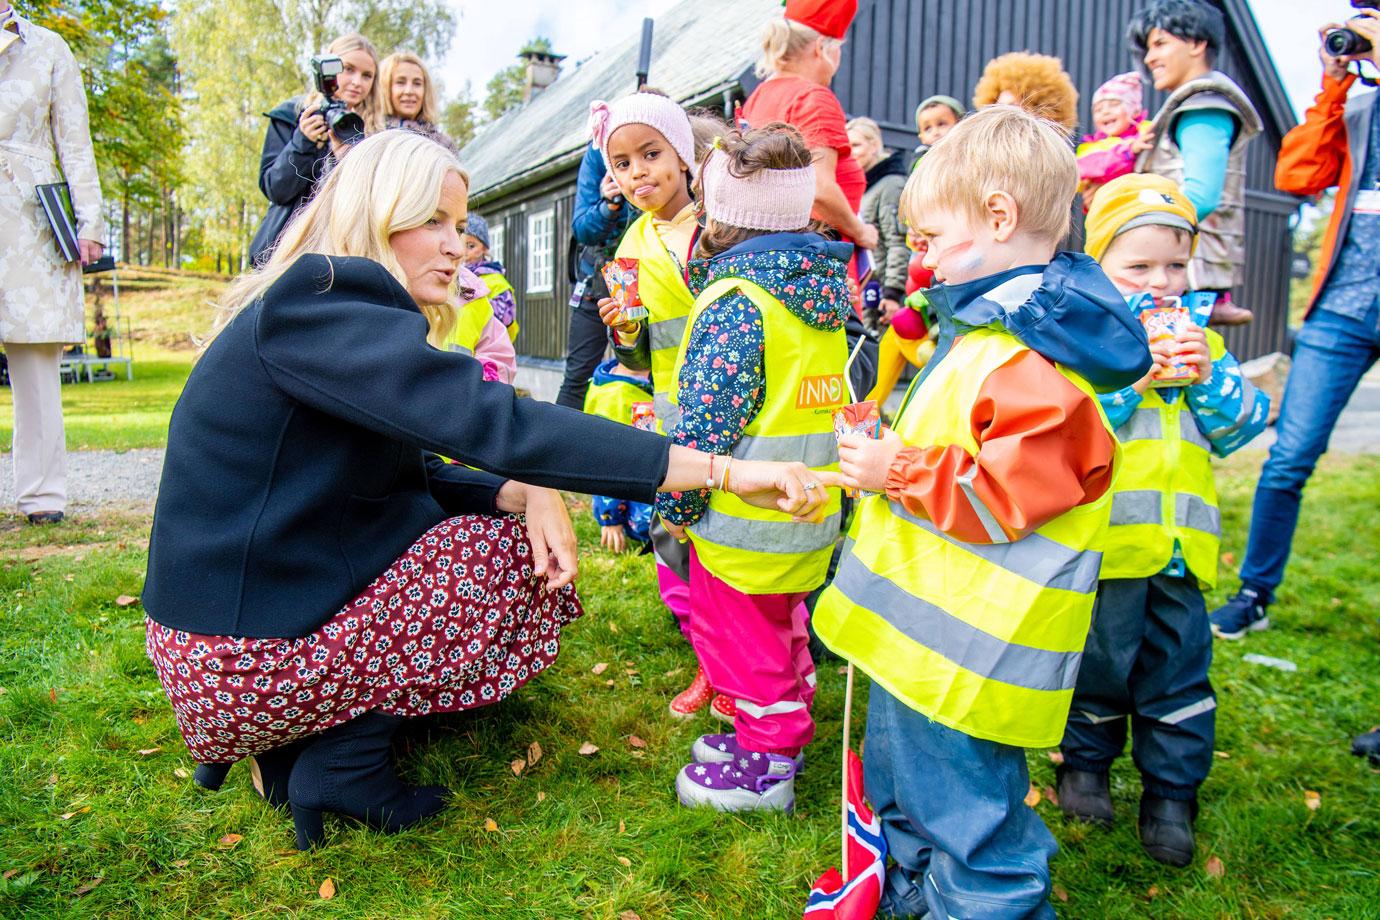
{"points": [[540, 250]]}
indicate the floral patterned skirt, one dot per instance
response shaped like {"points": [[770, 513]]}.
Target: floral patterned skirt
{"points": [[458, 621]]}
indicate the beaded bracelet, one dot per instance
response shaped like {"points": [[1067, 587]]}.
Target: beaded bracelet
{"points": [[709, 480]]}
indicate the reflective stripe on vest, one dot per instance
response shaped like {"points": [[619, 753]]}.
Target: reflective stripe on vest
{"points": [[985, 638], [661, 285], [757, 550], [1164, 493]]}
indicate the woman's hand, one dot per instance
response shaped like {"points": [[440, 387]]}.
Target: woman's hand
{"points": [[864, 462], [793, 487], [610, 312], [867, 236], [889, 309], [554, 553], [612, 538], [89, 251], [313, 126]]}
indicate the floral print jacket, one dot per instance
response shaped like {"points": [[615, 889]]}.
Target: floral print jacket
{"points": [[723, 383]]}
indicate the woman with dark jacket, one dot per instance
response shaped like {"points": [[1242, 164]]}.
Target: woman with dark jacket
{"points": [[299, 148], [886, 174], [315, 573]]}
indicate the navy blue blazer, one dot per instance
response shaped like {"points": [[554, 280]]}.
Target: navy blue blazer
{"points": [[300, 460]]}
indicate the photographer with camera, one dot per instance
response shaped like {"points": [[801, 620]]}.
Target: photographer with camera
{"points": [[1338, 145], [307, 134]]}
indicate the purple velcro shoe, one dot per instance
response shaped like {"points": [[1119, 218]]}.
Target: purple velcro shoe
{"points": [[751, 781], [721, 748]]}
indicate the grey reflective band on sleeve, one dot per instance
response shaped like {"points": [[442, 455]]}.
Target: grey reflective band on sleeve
{"points": [[1184, 713], [1189, 432], [1141, 507], [667, 333], [1034, 557], [1193, 512], [811, 449], [1143, 425], [985, 516], [667, 412], [945, 634], [785, 537]]}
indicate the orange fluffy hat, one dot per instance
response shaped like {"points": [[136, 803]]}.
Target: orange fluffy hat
{"points": [[1037, 80]]}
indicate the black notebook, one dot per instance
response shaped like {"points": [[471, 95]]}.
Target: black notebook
{"points": [[56, 200]]}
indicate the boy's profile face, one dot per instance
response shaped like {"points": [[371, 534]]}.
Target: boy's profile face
{"points": [[1153, 259], [955, 247], [1173, 61], [935, 122]]}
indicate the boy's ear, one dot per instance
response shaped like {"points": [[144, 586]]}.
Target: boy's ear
{"points": [[1198, 48], [1002, 215]]}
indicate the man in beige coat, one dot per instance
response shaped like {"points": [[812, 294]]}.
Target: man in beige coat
{"points": [[43, 123]]}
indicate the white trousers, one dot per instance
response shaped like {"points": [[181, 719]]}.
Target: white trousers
{"points": [[40, 444]]}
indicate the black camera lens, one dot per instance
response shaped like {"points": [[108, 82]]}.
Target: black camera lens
{"points": [[1344, 42]]}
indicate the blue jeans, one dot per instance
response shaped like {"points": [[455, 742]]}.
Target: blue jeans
{"points": [[954, 816], [1331, 356]]}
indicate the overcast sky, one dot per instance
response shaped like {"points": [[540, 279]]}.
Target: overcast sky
{"points": [[490, 32]]}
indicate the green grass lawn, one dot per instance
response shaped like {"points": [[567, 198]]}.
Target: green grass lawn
{"points": [[95, 783]]}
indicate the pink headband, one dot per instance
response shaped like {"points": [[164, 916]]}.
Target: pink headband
{"points": [[658, 112], [774, 199]]}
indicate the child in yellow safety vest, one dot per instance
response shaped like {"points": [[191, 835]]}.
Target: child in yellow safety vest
{"points": [[615, 393], [967, 580], [478, 334], [648, 145], [1148, 654], [476, 255], [759, 373]]}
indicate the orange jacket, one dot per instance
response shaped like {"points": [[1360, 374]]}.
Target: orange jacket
{"points": [[1319, 154]]}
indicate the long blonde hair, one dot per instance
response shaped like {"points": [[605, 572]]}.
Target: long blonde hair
{"points": [[371, 109], [783, 39], [430, 109], [390, 182]]}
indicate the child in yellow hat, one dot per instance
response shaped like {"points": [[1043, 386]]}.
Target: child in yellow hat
{"points": [[1148, 653]]}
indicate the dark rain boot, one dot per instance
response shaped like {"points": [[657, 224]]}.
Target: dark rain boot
{"points": [[348, 770], [1368, 746], [1085, 796], [1166, 829], [211, 775]]}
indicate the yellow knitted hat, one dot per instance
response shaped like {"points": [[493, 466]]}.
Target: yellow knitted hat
{"points": [[1136, 200]]}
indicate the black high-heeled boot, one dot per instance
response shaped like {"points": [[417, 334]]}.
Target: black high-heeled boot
{"points": [[348, 770], [211, 775], [272, 770]]}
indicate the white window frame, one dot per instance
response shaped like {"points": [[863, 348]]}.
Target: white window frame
{"points": [[496, 235], [541, 251]]}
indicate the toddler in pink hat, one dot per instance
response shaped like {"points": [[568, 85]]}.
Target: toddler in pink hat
{"points": [[1119, 118]]}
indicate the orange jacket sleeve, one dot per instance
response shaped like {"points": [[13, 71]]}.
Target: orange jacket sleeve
{"points": [[1312, 154], [1042, 450]]}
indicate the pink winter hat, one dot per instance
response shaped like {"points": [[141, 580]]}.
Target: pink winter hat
{"points": [[650, 109], [771, 199], [1124, 88]]}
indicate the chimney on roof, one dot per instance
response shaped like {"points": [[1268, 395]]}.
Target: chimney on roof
{"points": [[543, 67]]}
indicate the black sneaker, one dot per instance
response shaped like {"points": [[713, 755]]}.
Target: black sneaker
{"points": [[1242, 614], [1166, 829]]}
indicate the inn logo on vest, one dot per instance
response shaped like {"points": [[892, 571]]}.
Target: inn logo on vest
{"points": [[823, 391]]}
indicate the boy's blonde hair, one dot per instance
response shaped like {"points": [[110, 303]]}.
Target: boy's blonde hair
{"points": [[390, 182], [1001, 148], [783, 39], [430, 109]]}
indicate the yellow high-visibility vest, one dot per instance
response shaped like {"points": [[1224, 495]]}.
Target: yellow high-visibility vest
{"points": [[661, 285], [470, 321], [497, 284], [614, 400], [757, 550], [985, 638], [1165, 491]]}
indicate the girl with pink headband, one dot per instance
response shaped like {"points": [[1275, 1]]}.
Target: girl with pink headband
{"points": [[760, 371], [649, 149]]}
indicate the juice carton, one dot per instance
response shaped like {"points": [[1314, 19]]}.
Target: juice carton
{"points": [[644, 416], [862, 418], [621, 277], [1164, 323]]}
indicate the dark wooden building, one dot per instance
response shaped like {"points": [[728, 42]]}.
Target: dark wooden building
{"points": [[899, 51]]}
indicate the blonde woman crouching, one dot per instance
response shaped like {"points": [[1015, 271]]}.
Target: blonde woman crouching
{"points": [[316, 574]]}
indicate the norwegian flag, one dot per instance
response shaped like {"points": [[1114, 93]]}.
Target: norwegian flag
{"points": [[865, 864]]}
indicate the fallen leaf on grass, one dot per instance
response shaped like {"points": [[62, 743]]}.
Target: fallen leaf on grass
{"points": [[181, 863], [600, 668], [68, 816], [636, 741], [327, 889], [622, 826], [52, 695], [1032, 798], [1229, 559], [69, 577], [1152, 892], [1061, 894], [126, 600], [629, 915], [541, 796], [1312, 799], [229, 840], [144, 752], [89, 886], [1214, 867], [671, 673], [613, 627], [1221, 755], [9, 874], [518, 766], [588, 750], [533, 753], [638, 754], [181, 773], [625, 862], [1055, 757], [52, 779], [609, 683], [490, 825], [1050, 795]]}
